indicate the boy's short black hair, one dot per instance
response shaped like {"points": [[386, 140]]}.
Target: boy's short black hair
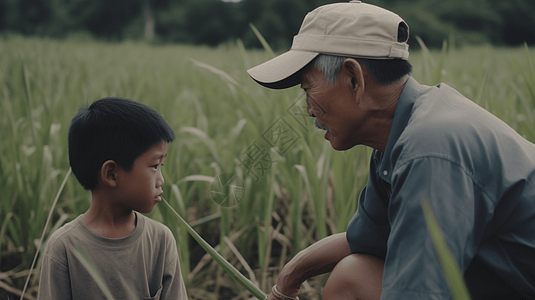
{"points": [[115, 129]]}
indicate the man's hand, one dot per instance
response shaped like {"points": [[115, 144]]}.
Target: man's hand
{"points": [[319, 258], [276, 295]]}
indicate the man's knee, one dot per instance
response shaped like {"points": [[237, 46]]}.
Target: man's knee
{"points": [[357, 276]]}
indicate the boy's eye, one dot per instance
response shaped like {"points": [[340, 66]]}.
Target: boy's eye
{"points": [[155, 166]]}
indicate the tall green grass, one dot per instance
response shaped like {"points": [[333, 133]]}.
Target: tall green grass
{"points": [[217, 112], [450, 267]]}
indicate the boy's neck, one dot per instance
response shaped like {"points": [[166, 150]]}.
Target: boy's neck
{"points": [[109, 222]]}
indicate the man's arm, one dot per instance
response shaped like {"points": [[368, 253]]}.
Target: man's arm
{"points": [[319, 258], [412, 269]]}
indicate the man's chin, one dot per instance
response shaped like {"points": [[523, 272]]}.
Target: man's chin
{"points": [[335, 143]]}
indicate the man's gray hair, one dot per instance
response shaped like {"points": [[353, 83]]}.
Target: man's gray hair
{"points": [[329, 65], [384, 71]]}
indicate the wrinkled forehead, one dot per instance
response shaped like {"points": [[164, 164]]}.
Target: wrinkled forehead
{"points": [[311, 77]]}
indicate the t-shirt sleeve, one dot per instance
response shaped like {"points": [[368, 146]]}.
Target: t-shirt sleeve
{"points": [[173, 286], [412, 269], [54, 283]]}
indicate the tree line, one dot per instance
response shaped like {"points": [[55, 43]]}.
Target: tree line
{"points": [[212, 22]]}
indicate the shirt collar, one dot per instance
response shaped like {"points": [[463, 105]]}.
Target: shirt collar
{"points": [[409, 95]]}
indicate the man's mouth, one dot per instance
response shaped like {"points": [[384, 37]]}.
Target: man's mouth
{"points": [[320, 126]]}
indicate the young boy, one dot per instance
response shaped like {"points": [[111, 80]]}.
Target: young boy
{"points": [[116, 149]]}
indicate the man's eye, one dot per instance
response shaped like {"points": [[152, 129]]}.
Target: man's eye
{"points": [[155, 167]]}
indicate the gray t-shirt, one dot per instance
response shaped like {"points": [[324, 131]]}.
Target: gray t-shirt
{"points": [[142, 265]]}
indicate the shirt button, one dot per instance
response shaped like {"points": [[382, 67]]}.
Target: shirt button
{"points": [[385, 172]]}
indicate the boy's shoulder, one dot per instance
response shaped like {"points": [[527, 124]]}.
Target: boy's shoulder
{"points": [[75, 232], [60, 239], [156, 229], [67, 229]]}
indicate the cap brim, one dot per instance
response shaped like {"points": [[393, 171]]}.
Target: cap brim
{"points": [[282, 71]]}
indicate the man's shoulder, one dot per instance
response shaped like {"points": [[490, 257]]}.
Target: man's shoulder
{"points": [[446, 116], [445, 124]]}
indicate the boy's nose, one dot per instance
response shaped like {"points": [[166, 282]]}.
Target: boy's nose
{"points": [[160, 181]]}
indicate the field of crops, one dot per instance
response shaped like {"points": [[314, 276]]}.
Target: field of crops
{"points": [[296, 189]]}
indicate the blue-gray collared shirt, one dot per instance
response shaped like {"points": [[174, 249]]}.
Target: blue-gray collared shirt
{"points": [[479, 176]]}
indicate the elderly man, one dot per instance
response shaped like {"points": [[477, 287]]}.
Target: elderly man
{"points": [[430, 142]]}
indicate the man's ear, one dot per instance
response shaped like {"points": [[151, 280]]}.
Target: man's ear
{"points": [[109, 172], [355, 72]]}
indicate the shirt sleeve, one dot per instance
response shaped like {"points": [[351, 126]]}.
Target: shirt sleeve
{"points": [[412, 269], [368, 230], [54, 283], [173, 286]]}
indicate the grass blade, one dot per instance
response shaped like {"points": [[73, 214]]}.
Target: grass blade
{"points": [[44, 230], [204, 178], [241, 259], [224, 75], [262, 40], [242, 280], [29, 100], [88, 264], [453, 274], [205, 139]]}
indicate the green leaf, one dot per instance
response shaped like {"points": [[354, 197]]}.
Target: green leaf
{"points": [[453, 274], [239, 277], [262, 40], [89, 265]]}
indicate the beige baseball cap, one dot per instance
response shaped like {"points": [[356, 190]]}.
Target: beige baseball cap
{"points": [[351, 29]]}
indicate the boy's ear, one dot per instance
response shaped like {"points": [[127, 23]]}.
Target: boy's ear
{"points": [[108, 173]]}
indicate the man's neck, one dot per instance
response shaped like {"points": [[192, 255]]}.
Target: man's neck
{"points": [[386, 99]]}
